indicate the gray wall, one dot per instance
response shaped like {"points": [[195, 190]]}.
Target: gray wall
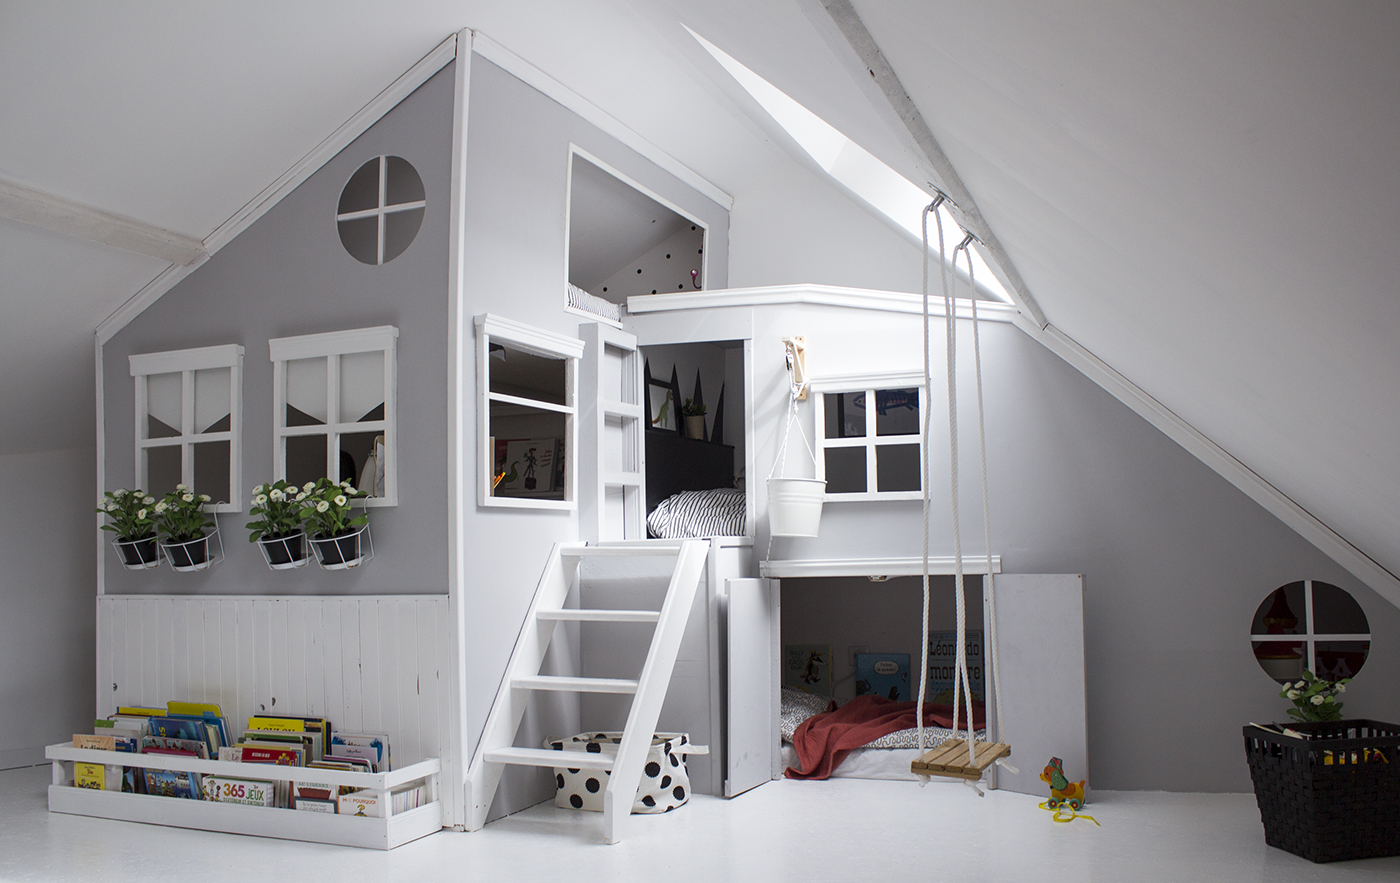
{"points": [[288, 274], [517, 164], [1175, 559], [47, 632]]}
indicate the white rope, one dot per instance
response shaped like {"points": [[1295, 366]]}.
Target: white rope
{"points": [[960, 679], [995, 733], [780, 464], [923, 668]]}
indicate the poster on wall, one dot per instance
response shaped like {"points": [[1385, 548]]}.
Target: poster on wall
{"points": [[942, 654], [527, 466], [807, 667], [883, 674]]}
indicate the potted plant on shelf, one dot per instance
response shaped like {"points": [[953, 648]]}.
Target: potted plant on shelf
{"points": [[694, 413], [337, 535], [185, 538], [277, 529], [132, 520]]}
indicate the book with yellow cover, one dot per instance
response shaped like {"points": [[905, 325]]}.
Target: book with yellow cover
{"points": [[193, 709], [277, 724], [139, 711]]}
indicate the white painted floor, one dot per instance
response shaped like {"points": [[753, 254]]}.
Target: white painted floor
{"points": [[804, 832]]}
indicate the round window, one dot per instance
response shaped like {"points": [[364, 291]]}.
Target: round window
{"points": [[381, 209], [1313, 625]]}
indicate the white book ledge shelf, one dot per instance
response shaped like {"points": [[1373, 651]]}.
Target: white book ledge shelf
{"points": [[259, 821]]}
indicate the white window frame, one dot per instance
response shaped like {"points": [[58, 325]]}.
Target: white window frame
{"points": [[1308, 637], [868, 384], [495, 329], [382, 209], [185, 363], [382, 338]]}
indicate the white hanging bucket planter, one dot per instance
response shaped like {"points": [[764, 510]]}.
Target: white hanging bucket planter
{"points": [[138, 554], [345, 551], [794, 504], [285, 553], [189, 556]]}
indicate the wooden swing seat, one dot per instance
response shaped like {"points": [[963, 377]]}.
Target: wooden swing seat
{"points": [[950, 759]]}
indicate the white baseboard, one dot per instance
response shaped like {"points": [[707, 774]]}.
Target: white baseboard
{"points": [[15, 758]]}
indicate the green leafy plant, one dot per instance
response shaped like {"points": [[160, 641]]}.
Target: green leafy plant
{"points": [[181, 515], [130, 514], [1314, 698], [326, 509], [692, 408], [278, 506]]}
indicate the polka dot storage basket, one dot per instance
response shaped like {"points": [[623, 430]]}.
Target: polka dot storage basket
{"points": [[665, 784]]}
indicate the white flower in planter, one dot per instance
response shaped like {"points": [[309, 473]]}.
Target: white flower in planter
{"points": [[1341, 688], [141, 513], [339, 500], [182, 487], [160, 507], [309, 486], [1318, 700], [1294, 694], [301, 496], [149, 500], [261, 498], [322, 506], [204, 498], [276, 495]]}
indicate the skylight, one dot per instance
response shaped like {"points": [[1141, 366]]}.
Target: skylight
{"points": [[852, 166]]}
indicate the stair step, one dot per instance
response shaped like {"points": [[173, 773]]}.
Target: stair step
{"points": [[622, 551], [575, 685], [595, 615], [569, 760]]}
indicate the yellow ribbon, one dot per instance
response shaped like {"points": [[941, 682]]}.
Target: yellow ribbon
{"points": [[1064, 807]]}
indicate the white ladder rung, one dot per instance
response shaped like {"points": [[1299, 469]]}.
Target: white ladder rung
{"points": [[575, 685], [623, 551], [569, 760], [571, 614], [623, 479]]}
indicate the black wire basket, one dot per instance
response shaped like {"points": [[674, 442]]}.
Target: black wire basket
{"points": [[1330, 793]]}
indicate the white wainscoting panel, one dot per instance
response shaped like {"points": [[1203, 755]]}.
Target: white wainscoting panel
{"points": [[369, 664]]}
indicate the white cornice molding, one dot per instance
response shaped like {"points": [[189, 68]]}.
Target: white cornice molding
{"points": [[941, 565], [526, 72], [242, 219], [86, 222], [821, 295], [528, 337], [1273, 500]]}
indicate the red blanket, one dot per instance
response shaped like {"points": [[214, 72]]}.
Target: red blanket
{"points": [[823, 740]]}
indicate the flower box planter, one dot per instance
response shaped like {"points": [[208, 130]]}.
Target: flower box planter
{"points": [[137, 554], [1330, 794], [344, 551], [286, 552], [188, 556]]}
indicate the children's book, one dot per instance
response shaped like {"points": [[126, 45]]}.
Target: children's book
{"points": [[163, 745], [883, 674], [139, 711], [807, 667], [942, 654], [281, 755], [172, 783], [249, 792], [310, 741], [313, 804], [373, 747], [179, 728], [361, 803]]}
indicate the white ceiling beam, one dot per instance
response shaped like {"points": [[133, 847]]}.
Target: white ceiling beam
{"points": [[965, 210], [71, 218]]}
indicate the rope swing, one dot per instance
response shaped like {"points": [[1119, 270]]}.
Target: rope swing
{"points": [[957, 758]]}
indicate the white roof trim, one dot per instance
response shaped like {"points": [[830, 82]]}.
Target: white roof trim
{"points": [[828, 567], [242, 219], [86, 222], [822, 295]]}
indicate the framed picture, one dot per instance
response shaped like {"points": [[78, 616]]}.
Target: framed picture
{"points": [[662, 401]]}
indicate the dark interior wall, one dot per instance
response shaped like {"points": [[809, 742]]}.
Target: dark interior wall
{"points": [[288, 274], [514, 264]]}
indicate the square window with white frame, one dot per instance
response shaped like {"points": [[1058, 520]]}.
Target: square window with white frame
{"points": [[868, 437], [527, 388], [334, 413], [189, 422]]}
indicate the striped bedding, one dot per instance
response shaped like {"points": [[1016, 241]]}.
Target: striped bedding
{"points": [[714, 513]]}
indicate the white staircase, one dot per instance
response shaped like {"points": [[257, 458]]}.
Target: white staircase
{"points": [[496, 748]]}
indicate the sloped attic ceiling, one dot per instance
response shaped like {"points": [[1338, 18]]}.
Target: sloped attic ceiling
{"points": [[1201, 195]]}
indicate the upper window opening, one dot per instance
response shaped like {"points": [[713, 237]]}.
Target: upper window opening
{"points": [[854, 167], [381, 209], [624, 241]]}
